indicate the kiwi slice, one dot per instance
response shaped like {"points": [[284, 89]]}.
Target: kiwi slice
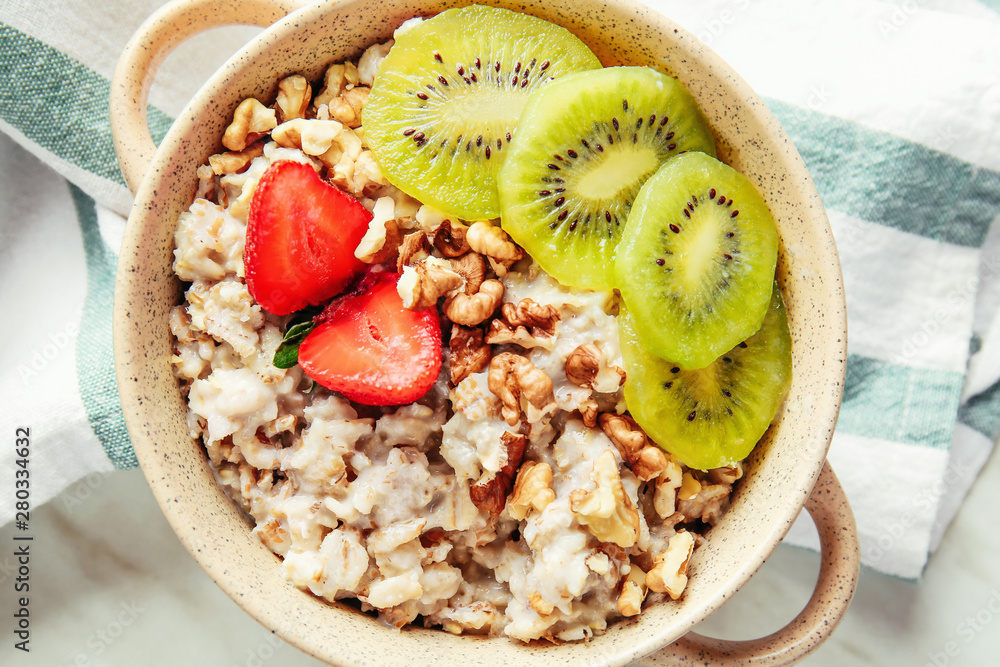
{"points": [[446, 100], [712, 416], [696, 262], [585, 145]]}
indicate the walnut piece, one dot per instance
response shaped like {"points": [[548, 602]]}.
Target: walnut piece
{"points": [[727, 475], [588, 412], [251, 121], [490, 493], [423, 283], [533, 489], [346, 107], [449, 238], [493, 242], [524, 323], [472, 309], [541, 607], [381, 242], [607, 511], [337, 79], [513, 378], [413, 249], [665, 493], [473, 267], [234, 162], [708, 503], [469, 352], [313, 137], [633, 592], [669, 572], [583, 364], [294, 95], [646, 459]]}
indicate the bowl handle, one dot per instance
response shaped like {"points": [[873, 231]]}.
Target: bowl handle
{"points": [[172, 24], [838, 576]]}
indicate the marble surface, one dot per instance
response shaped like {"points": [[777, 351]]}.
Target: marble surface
{"points": [[112, 586]]}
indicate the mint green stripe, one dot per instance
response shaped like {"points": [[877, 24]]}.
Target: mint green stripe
{"points": [[899, 403], [60, 104], [992, 4], [982, 412], [886, 180], [95, 363]]}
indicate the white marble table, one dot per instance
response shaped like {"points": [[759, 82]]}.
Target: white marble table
{"points": [[112, 586]]}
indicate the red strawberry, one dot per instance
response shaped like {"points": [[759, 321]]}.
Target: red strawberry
{"points": [[371, 349], [301, 237]]}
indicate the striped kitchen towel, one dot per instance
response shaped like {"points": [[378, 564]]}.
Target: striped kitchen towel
{"points": [[902, 141]]}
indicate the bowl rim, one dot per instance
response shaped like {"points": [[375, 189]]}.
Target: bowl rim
{"points": [[157, 470]]}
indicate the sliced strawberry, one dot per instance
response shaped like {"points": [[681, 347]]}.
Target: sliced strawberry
{"points": [[301, 237], [371, 349]]}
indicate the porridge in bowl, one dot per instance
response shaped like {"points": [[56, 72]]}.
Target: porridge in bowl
{"points": [[425, 409]]}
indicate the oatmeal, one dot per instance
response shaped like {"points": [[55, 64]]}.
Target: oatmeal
{"points": [[516, 497]]}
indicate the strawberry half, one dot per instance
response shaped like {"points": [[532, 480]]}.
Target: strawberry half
{"points": [[371, 349], [301, 237]]}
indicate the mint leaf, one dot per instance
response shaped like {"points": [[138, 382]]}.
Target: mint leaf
{"points": [[301, 324]]}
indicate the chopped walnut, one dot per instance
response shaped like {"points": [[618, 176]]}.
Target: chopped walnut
{"points": [[469, 352], [633, 592], [206, 183], [423, 283], [708, 503], [513, 378], [314, 137], [665, 493], [429, 219], [690, 486], [669, 572], [598, 563], [493, 242], [337, 79], [523, 323], [490, 493], [346, 108], [473, 267], [294, 95], [251, 121], [607, 511], [583, 364], [449, 239], [413, 249], [541, 607], [381, 242], [533, 489], [646, 459], [727, 475], [588, 412], [234, 162], [472, 309]]}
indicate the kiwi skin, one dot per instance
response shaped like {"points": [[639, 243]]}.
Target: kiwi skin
{"points": [[710, 417]]}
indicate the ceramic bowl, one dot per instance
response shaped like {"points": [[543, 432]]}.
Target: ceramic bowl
{"points": [[786, 467]]}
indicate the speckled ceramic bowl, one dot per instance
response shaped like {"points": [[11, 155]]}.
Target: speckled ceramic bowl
{"points": [[787, 466]]}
